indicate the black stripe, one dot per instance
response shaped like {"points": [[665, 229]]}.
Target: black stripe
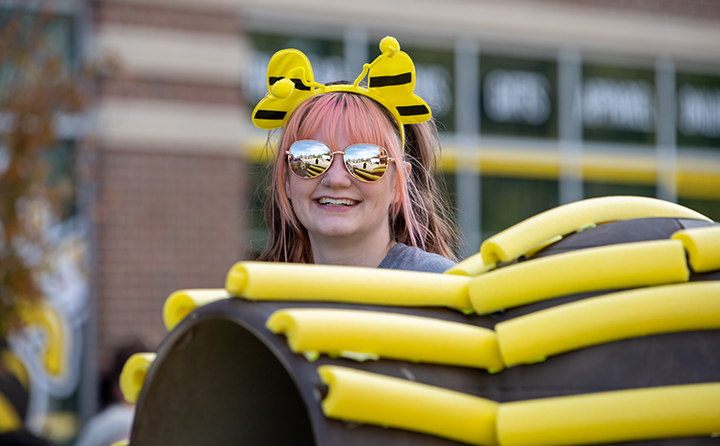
{"points": [[412, 110], [270, 114], [388, 81], [298, 82], [15, 393]]}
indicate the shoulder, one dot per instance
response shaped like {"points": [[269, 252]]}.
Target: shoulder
{"points": [[415, 259], [107, 427]]}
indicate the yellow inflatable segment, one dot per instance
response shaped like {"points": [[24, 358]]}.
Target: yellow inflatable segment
{"points": [[392, 402], [610, 417], [703, 247], [133, 375], [181, 303], [388, 335], [672, 308], [523, 237], [624, 265], [472, 266], [302, 282]]}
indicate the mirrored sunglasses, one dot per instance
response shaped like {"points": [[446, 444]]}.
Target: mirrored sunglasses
{"points": [[310, 159]]}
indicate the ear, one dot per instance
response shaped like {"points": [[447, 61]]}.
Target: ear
{"points": [[408, 169], [287, 186]]}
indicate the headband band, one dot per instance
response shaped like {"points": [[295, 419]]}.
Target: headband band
{"points": [[390, 80]]}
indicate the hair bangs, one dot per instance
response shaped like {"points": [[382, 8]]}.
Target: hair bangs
{"points": [[335, 115]]}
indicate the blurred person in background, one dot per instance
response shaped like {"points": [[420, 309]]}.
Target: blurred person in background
{"points": [[114, 421]]}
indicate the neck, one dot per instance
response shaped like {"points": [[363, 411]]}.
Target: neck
{"points": [[367, 251]]}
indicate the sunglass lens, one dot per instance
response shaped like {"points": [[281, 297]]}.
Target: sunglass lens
{"points": [[366, 162], [309, 159]]}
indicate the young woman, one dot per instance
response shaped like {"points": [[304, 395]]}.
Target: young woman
{"points": [[353, 186]]}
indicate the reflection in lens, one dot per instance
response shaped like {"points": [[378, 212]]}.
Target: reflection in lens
{"points": [[309, 159], [367, 162]]}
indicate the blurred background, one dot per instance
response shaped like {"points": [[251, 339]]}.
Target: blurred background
{"points": [[129, 167]]}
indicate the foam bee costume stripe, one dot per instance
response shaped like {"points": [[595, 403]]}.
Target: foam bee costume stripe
{"points": [[390, 81]]}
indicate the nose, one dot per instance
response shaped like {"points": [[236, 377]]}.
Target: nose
{"points": [[337, 176]]}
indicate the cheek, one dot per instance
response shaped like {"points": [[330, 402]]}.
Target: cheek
{"points": [[394, 191], [298, 190], [290, 188]]}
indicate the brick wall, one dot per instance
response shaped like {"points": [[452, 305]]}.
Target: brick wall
{"points": [[167, 222], [171, 187]]}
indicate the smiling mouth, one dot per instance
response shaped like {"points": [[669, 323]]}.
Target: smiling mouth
{"points": [[336, 202]]}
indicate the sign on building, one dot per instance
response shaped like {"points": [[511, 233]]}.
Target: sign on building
{"points": [[518, 97], [618, 104], [698, 110]]}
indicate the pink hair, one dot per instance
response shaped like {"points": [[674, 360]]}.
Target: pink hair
{"points": [[360, 119]]}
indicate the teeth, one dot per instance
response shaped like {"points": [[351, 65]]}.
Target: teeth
{"points": [[336, 202]]}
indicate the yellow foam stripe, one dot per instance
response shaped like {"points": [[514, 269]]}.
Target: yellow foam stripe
{"points": [[133, 375], [472, 266], [181, 303], [9, 418], [45, 317], [624, 265], [396, 336], [526, 235], [671, 308], [291, 281], [703, 247], [542, 245], [392, 402], [609, 417]]}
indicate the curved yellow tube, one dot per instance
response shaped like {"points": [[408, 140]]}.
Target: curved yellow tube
{"points": [[616, 266], [610, 417], [387, 335], [392, 402], [288, 281], [703, 247], [472, 266], [523, 237], [672, 308], [181, 303], [133, 375]]}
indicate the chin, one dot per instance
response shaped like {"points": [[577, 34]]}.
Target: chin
{"points": [[338, 232]]}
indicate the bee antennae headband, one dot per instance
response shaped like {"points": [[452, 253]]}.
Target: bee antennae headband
{"points": [[390, 80]]}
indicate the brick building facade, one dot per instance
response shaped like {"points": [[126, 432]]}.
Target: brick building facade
{"points": [[172, 123], [174, 158], [170, 184]]}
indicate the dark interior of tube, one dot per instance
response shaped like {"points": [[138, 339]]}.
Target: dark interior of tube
{"points": [[219, 385]]}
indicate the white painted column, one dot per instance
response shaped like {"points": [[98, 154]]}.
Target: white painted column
{"points": [[355, 45], [570, 126], [467, 128], [665, 131]]}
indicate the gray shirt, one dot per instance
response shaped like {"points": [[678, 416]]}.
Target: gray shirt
{"points": [[415, 259]]}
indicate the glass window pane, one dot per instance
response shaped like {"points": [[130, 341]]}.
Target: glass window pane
{"points": [[519, 97], [698, 109], [506, 201], [619, 104]]}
